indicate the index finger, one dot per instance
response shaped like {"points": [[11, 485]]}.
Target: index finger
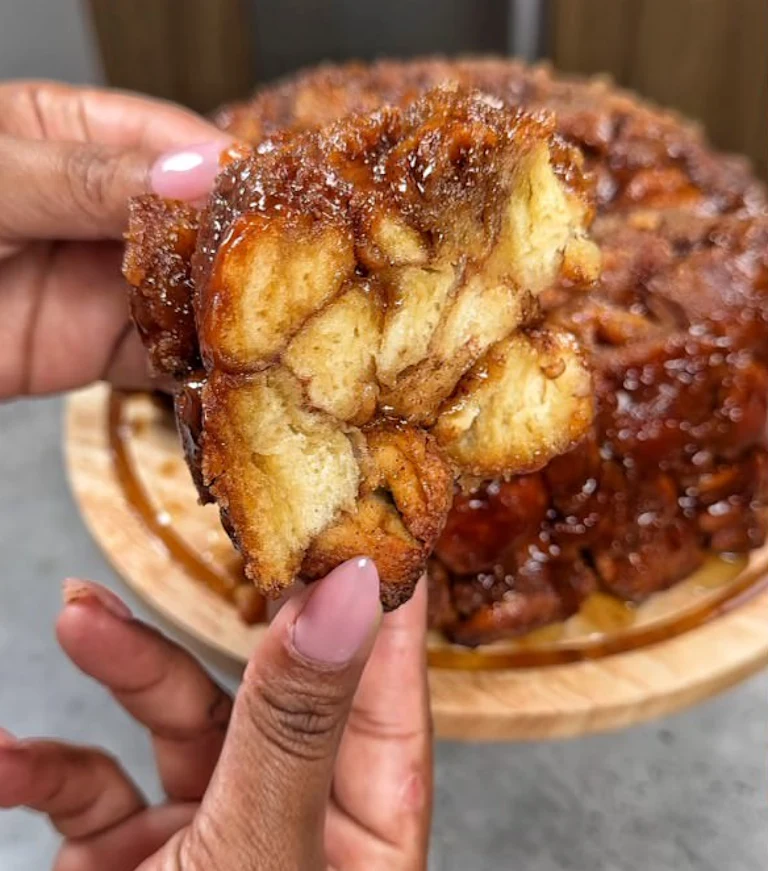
{"points": [[157, 682], [71, 158], [50, 110]]}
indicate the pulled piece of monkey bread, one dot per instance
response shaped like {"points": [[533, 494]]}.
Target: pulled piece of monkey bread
{"points": [[354, 326]]}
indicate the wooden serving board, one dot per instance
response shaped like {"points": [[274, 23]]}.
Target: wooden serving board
{"points": [[606, 668]]}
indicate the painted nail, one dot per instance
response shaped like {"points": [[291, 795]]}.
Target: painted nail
{"points": [[339, 614], [75, 591], [188, 173]]}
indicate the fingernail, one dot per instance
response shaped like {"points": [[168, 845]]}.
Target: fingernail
{"points": [[188, 174], [6, 739], [86, 592], [339, 614]]}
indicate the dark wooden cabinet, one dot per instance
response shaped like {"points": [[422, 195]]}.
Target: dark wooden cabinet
{"points": [[196, 52], [708, 58]]}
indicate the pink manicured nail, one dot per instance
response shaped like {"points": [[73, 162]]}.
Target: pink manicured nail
{"points": [[188, 174], [339, 614], [86, 592]]}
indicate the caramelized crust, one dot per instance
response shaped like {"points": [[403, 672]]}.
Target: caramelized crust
{"points": [[674, 464], [353, 286], [642, 156], [188, 409], [677, 330], [161, 239]]}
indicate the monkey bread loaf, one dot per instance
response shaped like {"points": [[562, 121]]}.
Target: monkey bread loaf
{"points": [[390, 336]]}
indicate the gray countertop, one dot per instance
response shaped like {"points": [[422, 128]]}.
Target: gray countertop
{"points": [[685, 793]]}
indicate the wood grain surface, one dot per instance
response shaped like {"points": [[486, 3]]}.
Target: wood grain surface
{"points": [[706, 58]]}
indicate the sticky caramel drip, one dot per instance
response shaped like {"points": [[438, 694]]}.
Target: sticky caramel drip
{"points": [[735, 592], [222, 584]]}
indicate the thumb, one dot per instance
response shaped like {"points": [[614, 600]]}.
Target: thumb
{"points": [[267, 802], [80, 190]]}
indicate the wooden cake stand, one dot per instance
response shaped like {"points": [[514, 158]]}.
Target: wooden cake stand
{"points": [[608, 667]]}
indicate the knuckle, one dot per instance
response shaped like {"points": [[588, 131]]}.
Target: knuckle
{"points": [[299, 719], [104, 763], [90, 175], [21, 108], [202, 845]]}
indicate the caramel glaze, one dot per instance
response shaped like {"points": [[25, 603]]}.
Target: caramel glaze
{"points": [[611, 619], [407, 161], [535, 654], [676, 466]]}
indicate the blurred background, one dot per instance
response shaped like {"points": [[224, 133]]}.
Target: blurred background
{"points": [[687, 793], [707, 58]]}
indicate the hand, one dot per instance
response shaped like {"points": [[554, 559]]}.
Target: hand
{"points": [[69, 160], [314, 766]]}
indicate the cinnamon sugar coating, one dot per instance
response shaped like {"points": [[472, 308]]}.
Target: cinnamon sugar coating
{"points": [[674, 464], [363, 296]]}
